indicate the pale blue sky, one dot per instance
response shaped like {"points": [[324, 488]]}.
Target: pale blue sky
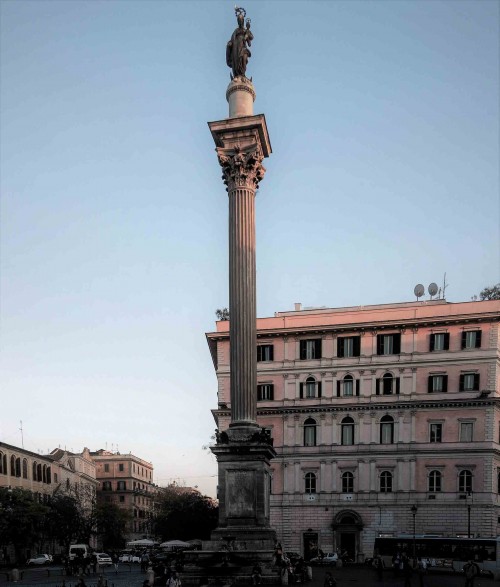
{"points": [[384, 121]]}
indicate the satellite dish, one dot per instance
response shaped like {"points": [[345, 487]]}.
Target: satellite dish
{"points": [[419, 290], [432, 289]]}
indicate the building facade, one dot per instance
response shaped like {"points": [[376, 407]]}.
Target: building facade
{"points": [[374, 410], [127, 481], [46, 475]]}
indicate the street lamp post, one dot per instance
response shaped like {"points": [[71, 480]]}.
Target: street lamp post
{"points": [[414, 510], [469, 505]]}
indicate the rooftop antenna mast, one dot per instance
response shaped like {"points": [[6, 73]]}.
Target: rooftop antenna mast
{"points": [[21, 429], [445, 285]]}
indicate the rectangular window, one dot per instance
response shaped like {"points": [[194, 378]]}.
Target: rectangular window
{"points": [[310, 349], [348, 346], [265, 391], [440, 341], [471, 339], [122, 499], [466, 431], [106, 485], [121, 486], [438, 384], [265, 352], [106, 468], [347, 434], [388, 344], [120, 467], [435, 432], [386, 433], [469, 382]]}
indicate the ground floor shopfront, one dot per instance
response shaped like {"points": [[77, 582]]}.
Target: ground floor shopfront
{"points": [[350, 529]]}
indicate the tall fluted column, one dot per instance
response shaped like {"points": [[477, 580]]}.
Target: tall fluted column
{"points": [[242, 306], [241, 145]]}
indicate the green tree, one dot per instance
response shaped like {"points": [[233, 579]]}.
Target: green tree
{"points": [[111, 523], [183, 513], [65, 522], [490, 293], [222, 314], [22, 520]]}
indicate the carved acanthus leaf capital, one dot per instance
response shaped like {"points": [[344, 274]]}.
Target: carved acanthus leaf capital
{"points": [[241, 168]]}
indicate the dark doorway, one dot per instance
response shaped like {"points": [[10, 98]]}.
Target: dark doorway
{"points": [[348, 546], [310, 545]]}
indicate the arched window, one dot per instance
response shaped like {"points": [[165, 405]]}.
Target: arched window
{"points": [[388, 387], [39, 472], [25, 468], [310, 432], [347, 482], [49, 475], [310, 483], [34, 467], [13, 465], [465, 482], [348, 385], [435, 481], [347, 429], [310, 387], [1, 464], [18, 467], [386, 482], [4, 464], [386, 430], [44, 474]]}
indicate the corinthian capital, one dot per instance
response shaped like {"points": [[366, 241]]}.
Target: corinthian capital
{"points": [[241, 168]]}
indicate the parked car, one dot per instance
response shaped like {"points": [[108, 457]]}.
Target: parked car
{"points": [[103, 559], [40, 559], [330, 558], [128, 557]]}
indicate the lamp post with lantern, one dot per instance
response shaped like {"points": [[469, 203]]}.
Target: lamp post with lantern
{"points": [[414, 510]]}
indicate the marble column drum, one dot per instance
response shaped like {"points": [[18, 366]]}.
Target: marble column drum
{"points": [[242, 307]]}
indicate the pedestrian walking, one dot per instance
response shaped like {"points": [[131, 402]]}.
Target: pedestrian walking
{"points": [[378, 565], [422, 571], [471, 571], [174, 580]]}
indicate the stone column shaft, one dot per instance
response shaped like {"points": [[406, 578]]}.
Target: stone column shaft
{"points": [[242, 306]]}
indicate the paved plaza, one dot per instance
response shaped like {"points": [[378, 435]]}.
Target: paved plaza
{"points": [[347, 576]]}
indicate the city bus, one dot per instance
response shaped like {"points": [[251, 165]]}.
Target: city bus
{"points": [[442, 553]]}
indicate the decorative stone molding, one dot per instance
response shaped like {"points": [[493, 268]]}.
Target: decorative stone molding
{"points": [[241, 168], [296, 375], [285, 375], [373, 371]]}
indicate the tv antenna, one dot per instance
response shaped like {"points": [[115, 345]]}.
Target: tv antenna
{"points": [[419, 290], [21, 429], [432, 289]]}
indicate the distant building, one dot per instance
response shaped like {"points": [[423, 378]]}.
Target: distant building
{"points": [[46, 475], [127, 481], [375, 409]]}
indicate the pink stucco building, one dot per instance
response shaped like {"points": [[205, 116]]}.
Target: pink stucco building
{"points": [[375, 409]]}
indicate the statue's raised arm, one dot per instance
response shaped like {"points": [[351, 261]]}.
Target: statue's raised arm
{"points": [[237, 51]]}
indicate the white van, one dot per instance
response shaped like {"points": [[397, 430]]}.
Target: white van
{"points": [[83, 550]]}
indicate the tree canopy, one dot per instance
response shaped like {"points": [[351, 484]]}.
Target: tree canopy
{"points": [[184, 514], [490, 293]]}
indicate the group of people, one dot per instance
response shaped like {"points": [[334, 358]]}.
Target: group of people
{"points": [[161, 575]]}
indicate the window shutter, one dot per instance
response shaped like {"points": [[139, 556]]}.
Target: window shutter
{"points": [[462, 377], [317, 349], [377, 388], [357, 387], [357, 346], [271, 394], [319, 388], [429, 384], [380, 344], [464, 339], [446, 341], [340, 347], [431, 347], [478, 339], [397, 343], [271, 353], [445, 383], [301, 394], [338, 388], [476, 381], [398, 381], [302, 349], [259, 393]]}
